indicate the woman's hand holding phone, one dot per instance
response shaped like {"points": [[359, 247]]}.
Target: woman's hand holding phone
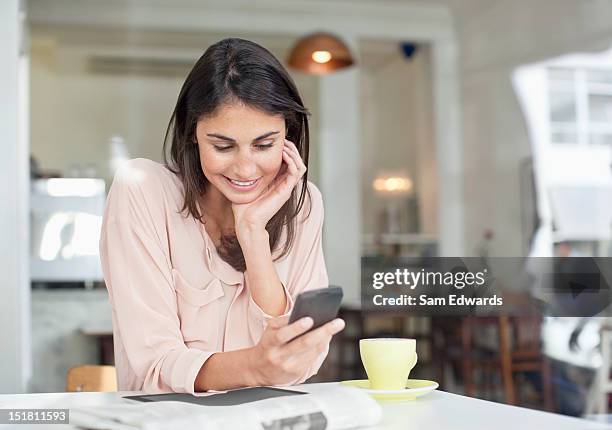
{"points": [[255, 215], [285, 351]]}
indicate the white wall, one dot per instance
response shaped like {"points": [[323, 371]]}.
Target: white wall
{"points": [[397, 133], [57, 341], [14, 191], [494, 38]]}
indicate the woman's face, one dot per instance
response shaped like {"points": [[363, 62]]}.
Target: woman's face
{"points": [[240, 150]]}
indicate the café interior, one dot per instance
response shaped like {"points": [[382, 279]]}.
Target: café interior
{"points": [[461, 128]]}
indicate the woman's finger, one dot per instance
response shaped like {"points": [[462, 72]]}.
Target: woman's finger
{"points": [[305, 360], [291, 165], [291, 331], [295, 155], [293, 151], [291, 179], [306, 346], [292, 146], [300, 167], [315, 337]]}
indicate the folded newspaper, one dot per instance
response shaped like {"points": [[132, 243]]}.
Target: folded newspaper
{"points": [[327, 408]]}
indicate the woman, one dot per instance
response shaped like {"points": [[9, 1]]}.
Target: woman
{"points": [[203, 257]]}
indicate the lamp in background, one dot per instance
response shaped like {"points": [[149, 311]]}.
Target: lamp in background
{"points": [[320, 53], [393, 185], [395, 216]]}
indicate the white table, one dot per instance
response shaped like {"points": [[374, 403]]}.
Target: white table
{"points": [[437, 411]]}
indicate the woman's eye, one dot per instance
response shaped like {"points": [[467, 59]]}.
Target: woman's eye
{"points": [[264, 147], [221, 148]]}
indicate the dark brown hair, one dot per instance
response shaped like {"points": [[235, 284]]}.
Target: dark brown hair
{"points": [[243, 71]]}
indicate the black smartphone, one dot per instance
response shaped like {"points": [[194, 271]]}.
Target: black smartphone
{"points": [[321, 305]]}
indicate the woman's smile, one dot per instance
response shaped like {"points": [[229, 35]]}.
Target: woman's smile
{"points": [[243, 185]]}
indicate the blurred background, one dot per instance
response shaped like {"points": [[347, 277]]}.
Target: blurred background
{"points": [[461, 128]]}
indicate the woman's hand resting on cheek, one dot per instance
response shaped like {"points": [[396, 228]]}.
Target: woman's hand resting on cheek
{"points": [[281, 357], [255, 215]]}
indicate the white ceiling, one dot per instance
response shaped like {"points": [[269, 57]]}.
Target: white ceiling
{"points": [[73, 32]]}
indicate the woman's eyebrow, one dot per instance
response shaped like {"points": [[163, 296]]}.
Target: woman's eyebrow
{"points": [[229, 139]]}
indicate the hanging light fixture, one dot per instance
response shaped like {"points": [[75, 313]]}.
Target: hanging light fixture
{"points": [[320, 53]]}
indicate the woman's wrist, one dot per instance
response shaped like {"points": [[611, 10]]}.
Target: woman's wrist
{"points": [[252, 235], [253, 373], [229, 370]]}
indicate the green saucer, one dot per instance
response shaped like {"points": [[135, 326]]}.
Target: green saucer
{"points": [[414, 388]]}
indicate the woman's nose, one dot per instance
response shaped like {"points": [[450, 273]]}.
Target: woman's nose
{"points": [[245, 167]]}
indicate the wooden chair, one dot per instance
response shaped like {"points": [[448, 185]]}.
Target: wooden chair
{"points": [[516, 353], [91, 378], [523, 354]]}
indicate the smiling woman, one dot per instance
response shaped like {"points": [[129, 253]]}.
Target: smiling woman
{"points": [[203, 256], [241, 166]]}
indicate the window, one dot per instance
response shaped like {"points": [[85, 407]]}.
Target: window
{"points": [[580, 102]]}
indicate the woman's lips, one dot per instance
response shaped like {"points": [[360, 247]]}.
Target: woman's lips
{"points": [[242, 185]]}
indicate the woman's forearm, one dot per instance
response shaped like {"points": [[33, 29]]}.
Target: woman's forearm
{"points": [[227, 370], [265, 286]]}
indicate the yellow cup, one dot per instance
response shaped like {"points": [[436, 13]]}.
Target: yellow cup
{"points": [[388, 361]]}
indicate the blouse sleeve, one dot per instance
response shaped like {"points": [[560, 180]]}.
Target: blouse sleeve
{"points": [[138, 275]]}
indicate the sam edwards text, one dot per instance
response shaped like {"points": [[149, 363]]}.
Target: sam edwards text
{"points": [[425, 300]]}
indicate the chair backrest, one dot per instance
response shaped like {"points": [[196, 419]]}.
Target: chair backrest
{"points": [[91, 378]]}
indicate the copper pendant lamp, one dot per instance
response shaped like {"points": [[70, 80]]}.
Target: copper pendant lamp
{"points": [[320, 53]]}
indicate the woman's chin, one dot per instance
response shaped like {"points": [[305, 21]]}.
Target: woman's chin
{"points": [[238, 198]]}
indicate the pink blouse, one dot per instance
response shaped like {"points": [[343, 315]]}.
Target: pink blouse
{"points": [[175, 301]]}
